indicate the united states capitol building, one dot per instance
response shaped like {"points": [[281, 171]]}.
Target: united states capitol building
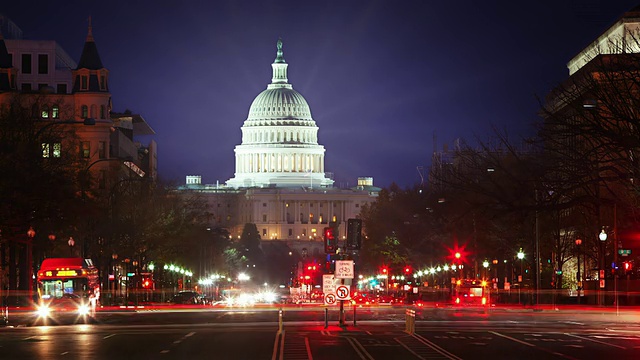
{"points": [[280, 183]]}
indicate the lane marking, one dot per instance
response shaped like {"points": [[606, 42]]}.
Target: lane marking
{"points": [[408, 349], [435, 347], [190, 334], [64, 353], [275, 346], [164, 351], [532, 345], [282, 346], [596, 341], [360, 350], [108, 336], [306, 343]]}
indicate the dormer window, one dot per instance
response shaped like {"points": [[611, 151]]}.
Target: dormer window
{"points": [[103, 83]]}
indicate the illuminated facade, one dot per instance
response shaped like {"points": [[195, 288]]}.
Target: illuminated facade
{"points": [[280, 182]]}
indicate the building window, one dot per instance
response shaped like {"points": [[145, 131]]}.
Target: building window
{"points": [[357, 205], [44, 113], [43, 64], [26, 63], [55, 112], [264, 218], [264, 204], [51, 150], [264, 232], [290, 232], [61, 88], [85, 149], [102, 83], [85, 111], [102, 149], [102, 112], [334, 219], [42, 86], [57, 150], [26, 87], [84, 82], [218, 205]]}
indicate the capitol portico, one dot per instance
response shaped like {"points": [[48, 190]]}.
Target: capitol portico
{"points": [[280, 183]]}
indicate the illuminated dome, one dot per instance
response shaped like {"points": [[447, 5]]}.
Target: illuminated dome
{"points": [[279, 139]]}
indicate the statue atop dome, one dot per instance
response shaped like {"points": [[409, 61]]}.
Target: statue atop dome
{"points": [[279, 56]]}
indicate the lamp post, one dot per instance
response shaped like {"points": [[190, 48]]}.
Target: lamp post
{"points": [[603, 238], [71, 243], [579, 279], [31, 233], [520, 256]]}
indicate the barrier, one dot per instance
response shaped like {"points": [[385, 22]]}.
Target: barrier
{"points": [[410, 321]]}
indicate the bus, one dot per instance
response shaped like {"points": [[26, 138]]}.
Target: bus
{"points": [[470, 292], [67, 286]]}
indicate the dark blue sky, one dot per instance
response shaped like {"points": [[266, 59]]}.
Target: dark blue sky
{"points": [[381, 77]]}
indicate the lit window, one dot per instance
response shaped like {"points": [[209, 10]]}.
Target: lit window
{"points": [[45, 150], [85, 149], [57, 150], [55, 112], [44, 113]]}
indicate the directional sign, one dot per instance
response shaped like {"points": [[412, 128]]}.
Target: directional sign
{"points": [[330, 299], [342, 292], [344, 269], [624, 252]]}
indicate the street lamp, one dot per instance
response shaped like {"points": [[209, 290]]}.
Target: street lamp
{"points": [[603, 238], [71, 243], [521, 257], [579, 279]]}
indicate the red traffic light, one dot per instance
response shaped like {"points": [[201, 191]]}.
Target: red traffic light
{"points": [[384, 270], [407, 269]]}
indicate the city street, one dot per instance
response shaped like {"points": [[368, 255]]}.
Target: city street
{"points": [[379, 333]]}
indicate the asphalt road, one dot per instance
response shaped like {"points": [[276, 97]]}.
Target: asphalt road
{"points": [[379, 333]]}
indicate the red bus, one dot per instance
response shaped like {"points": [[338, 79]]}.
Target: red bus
{"points": [[67, 286]]}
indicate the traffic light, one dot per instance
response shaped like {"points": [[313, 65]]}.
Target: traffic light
{"points": [[407, 270], [354, 234], [147, 283], [384, 270], [330, 240]]}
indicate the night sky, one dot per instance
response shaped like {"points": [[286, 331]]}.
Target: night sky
{"points": [[381, 77]]}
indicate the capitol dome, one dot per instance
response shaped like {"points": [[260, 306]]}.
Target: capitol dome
{"points": [[279, 139], [279, 106]]}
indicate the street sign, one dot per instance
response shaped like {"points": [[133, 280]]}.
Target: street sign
{"points": [[342, 292], [330, 299], [624, 252], [328, 284], [344, 269]]}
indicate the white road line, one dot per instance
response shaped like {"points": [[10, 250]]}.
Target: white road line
{"points": [[108, 336], [275, 346], [408, 348], [64, 353], [596, 341], [306, 343], [282, 345], [164, 351], [512, 339], [190, 334], [435, 347], [362, 353]]}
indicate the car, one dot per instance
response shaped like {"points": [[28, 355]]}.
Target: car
{"points": [[187, 297], [362, 299]]}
